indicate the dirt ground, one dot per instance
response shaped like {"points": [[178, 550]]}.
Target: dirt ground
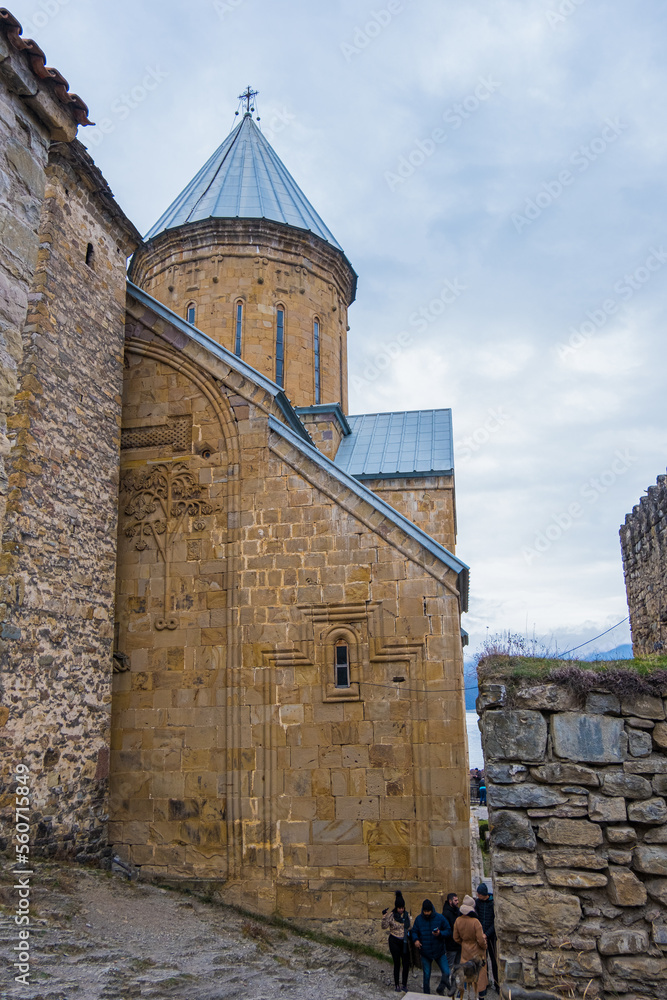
{"points": [[96, 936]]}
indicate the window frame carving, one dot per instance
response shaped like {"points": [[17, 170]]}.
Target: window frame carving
{"points": [[329, 641]]}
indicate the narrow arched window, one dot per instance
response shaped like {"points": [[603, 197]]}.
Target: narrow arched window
{"points": [[191, 313], [316, 351], [90, 255], [280, 347], [238, 326], [342, 665]]}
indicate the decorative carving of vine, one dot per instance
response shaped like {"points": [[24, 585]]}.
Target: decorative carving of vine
{"points": [[159, 500]]}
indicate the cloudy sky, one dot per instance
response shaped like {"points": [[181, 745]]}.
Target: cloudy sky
{"points": [[495, 172]]}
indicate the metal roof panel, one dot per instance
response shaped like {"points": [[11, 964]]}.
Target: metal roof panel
{"points": [[244, 179], [416, 442]]}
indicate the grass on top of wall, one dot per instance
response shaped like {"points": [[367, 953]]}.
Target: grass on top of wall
{"points": [[622, 677]]}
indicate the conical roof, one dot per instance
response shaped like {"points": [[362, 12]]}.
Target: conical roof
{"points": [[244, 179]]}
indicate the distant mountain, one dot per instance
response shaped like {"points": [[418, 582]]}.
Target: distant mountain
{"points": [[623, 652]]}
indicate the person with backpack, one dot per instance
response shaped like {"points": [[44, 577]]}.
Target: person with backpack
{"points": [[397, 922], [450, 912], [429, 933]]}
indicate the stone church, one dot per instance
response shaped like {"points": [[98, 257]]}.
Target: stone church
{"points": [[231, 636]]}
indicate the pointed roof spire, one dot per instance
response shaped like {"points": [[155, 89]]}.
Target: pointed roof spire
{"points": [[244, 179]]}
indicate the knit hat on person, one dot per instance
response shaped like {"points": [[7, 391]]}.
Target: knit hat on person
{"points": [[427, 905], [399, 902], [467, 906], [482, 889]]}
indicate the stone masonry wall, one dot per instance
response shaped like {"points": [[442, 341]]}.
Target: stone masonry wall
{"points": [[428, 501], [578, 815], [58, 558], [219, 262], [29, 119], [236, 762], [644, 547]]}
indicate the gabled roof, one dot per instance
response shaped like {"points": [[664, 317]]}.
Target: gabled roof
{"points": [[417, 534], [391, 445], [244, 179]]}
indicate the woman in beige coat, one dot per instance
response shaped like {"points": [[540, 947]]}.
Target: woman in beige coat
{"points": [[469, 934]]}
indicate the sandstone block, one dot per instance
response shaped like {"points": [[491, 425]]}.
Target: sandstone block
{"points": [[524, 796], [550, 697], [636, 723], [621, 835], [565, 774], [574, 859], [514, 735], [538, 911], [625, 889], [517, 881], [603, 809], [506, 774], [575, 880], [598, 703], [618, 857], [576, 833], [639, 967], [631, 786], [659, 734], [555, 964], [592, 739], [509, 862], [346, 831], [646, 706], [651, 860], [648, 811], [657, 889], [640, 743], [491, 696], [658, 835], [623, 942], [511, 830], [654, 764]]}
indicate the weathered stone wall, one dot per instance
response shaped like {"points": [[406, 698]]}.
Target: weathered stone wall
{"points": [[58, 559], [428, 501], [30, 117], [219, 262], [578, 818], [236, 761], [644, 547]]}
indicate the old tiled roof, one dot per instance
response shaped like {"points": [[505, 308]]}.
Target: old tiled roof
{"points": [[244, 179], [387, 445], [37, 62]]}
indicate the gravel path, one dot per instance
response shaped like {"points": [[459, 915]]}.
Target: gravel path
{"points": [[98, 937]]}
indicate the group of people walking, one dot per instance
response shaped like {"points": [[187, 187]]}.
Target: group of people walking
{"points": [[458, 934]]}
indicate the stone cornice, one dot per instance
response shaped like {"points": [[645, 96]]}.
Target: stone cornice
{"points": [[245, 237]]}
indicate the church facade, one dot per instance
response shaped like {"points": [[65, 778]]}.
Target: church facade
{"points": [[231, 622]]}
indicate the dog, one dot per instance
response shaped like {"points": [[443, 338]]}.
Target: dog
{"points": [[465, 974]]}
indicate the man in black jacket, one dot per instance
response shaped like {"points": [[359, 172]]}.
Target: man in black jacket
{"points": [[485, 911], [450, 912]]}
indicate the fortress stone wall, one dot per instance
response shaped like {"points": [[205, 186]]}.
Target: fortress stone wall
{"points": [[644, 547], [577, 793]]}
